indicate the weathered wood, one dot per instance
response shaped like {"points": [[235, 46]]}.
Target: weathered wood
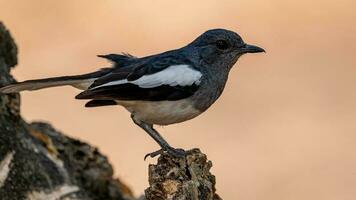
{"points": [[186, 178]]}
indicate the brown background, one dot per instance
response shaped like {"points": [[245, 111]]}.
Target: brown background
{"points": [[284, 128]]}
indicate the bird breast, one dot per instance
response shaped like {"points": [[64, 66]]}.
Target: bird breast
{"points": [[161, 112]]}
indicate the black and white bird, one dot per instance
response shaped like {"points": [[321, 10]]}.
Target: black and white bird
{"points": [[162, 89]]}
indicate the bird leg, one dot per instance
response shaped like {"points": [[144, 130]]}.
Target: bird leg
{"points": [[165, 147]]}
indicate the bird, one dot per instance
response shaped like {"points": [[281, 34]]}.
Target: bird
{"points": [[161, 89]]}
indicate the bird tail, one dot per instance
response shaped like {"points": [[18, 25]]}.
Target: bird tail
{"points": [[80, 81]]}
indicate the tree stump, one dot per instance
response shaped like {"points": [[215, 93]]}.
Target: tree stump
{"points": [[186, 178]]}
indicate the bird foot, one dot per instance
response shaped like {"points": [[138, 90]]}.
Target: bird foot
{"points": [[178, 153]]}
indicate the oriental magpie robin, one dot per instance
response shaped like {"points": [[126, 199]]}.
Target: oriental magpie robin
{"points": [[162, 89]]}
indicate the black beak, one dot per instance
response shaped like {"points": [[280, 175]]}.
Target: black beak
{"points": [[247, 48]]}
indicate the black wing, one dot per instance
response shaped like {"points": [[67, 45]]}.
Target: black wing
{"points": [[131, 91]]}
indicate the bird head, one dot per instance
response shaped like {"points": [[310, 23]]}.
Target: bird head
{"points": [[222, 47]]}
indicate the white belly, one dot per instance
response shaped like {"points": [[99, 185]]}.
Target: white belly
{"points": [[161, 112]]}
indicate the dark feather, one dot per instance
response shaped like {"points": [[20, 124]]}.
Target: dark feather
{"points": [[141, 67], [96, 74], [135, 70], [133, 92], [36, 84], [119, 60], [96, 103], [157, 64]]}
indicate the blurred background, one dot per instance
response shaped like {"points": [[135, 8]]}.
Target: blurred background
{"points": [[285, 127]]}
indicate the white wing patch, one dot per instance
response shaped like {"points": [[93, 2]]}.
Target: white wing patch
{"points": [[175, 75]]}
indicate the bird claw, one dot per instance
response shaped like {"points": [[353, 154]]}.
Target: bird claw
{"points": [[153, 154], [178, 153]]}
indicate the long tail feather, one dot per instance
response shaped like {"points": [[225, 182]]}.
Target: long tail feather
{"points": [[46, 83], [80, 81]]}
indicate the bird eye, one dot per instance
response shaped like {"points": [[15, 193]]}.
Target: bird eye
{"points": [[222, 44]]}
